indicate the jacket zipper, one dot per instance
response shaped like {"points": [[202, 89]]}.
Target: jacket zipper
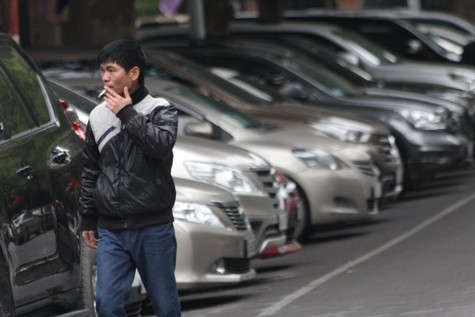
{"points": [[121, 164]]}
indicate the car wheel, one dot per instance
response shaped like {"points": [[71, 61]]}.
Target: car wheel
{"points": [[301, 230], [87, 296]]}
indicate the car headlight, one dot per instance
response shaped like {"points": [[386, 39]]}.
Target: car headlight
{"points": [[426, 120], [316, 158], [340, 132], [221, 175], [196, 213]]}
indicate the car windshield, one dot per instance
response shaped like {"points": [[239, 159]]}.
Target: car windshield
{"points": [[325, 54], [75, 100], [451, 39], [163, 72], [228, 113], [371, 52], [256, 89], [328, 80]]}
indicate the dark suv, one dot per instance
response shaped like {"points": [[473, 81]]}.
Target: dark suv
{"points": [[395, 34], [40, 178], [426, 140]]}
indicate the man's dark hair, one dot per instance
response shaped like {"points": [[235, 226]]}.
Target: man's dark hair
{"points": [[126, 53]]}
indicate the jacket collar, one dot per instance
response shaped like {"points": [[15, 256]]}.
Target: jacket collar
{"points": [[138, 95]]}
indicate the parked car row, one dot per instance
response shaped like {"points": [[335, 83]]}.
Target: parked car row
{"points": [[416, 35], [277, 135], [207, 174], [309, 160], [347, 172]]}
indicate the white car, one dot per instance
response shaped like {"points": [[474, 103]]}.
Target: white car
{"points": [[250, 178], [214, 237], [337, 182]]}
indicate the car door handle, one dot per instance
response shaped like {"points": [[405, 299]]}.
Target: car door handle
{"points": [[60, 156], [25, 171]]}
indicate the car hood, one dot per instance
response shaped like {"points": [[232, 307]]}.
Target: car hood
{"points": [[450, 75], [286, 140], [188, 190], [203, 150], [423, 98], [394, 104], [289, 112]]}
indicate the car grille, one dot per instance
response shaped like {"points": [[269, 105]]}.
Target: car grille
{"points": [[237, 266], [267, 177], [234, 213], [387, 147]]}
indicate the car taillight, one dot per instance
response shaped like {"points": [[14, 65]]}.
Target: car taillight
{"points": [[73, 119]]}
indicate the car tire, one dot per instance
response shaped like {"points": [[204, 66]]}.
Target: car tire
{"points": [[86, 299], [302, 229]]}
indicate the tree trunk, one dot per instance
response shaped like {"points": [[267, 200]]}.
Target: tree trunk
{"points": [[96, 22], [218, 15], [463, 8]]}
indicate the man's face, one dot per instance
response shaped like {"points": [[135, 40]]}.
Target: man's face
{"points": [[116, 77]]}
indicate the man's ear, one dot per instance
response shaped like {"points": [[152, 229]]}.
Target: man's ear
{"points": [[135, 72]]}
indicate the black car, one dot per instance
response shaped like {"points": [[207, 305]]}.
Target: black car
{"points": [[43, 269], [303, 37], [446, 29], [360, 61], [426, 147], [395, 34]]}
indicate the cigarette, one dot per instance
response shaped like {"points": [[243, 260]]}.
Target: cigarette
{"points": [[101, 94]]}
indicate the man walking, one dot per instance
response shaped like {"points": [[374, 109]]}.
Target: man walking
{"points": [[128, 192]]}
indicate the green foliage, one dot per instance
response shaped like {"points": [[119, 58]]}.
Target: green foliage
{"points": [[144, 8]]}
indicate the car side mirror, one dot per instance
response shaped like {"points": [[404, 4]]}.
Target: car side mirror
{"points": [[201, 128]]}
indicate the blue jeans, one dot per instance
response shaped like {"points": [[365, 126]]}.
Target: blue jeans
{"points": [[152, 250]]}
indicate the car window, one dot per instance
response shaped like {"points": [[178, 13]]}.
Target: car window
{"points": [[75, 100], [372, 52], [449, 38], [266, 74], [392, 36], [13, 119], [257, 72], [158, 73], [27, 82]]}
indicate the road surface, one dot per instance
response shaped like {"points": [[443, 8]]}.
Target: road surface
{"points": [[416, 259]]}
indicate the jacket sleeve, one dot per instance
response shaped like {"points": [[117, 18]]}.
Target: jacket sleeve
{"points": [[156, 132], [90, 174]]}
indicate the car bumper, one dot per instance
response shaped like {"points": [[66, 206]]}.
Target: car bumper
{"points": [[339, 195], [210, 257], [267, 223], [439, 155]]}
